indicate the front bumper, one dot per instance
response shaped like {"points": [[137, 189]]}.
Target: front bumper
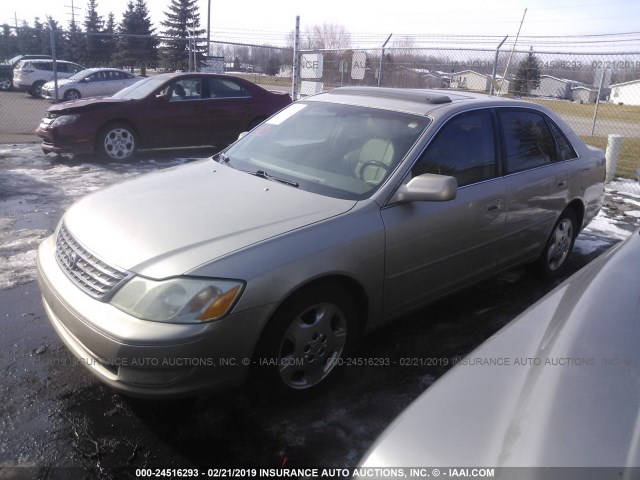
{"points": [[59, 140], [143, 358]]}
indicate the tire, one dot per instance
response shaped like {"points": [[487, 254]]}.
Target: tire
{"points": [[36, 89], [117, 141], [71, 95], [302, 347], [5, 84], [559, 245]]}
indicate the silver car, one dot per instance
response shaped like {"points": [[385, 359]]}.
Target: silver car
{"points": [[92, 82], [338, 213], [557, 387]]}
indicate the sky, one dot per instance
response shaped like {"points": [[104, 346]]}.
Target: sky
{"points": [[258, 21]]}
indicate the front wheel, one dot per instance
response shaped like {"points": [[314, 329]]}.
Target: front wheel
{"points": [[306, 342], [117, 141], [71, 95], [559, 245]]}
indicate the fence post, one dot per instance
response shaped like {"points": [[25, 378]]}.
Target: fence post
{"points": [[613, 151], [52, 31], [382, 58], [495, 68], [295, 74]]}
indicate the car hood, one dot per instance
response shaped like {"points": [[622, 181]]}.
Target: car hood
{"points": [[170, 222], [61, 82], [570, 395], [85, 104]]}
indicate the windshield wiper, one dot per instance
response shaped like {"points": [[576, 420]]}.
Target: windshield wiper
{"points": [[263, 174]]}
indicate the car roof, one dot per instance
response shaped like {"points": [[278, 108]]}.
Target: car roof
{"points": [[417, 101]]}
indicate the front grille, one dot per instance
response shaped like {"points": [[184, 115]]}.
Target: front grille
{"points": [[87, 271]]}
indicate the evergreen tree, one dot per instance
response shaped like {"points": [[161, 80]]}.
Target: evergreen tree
{"points": [[182, 23], [8, 46], [27, 40], [110, 43], [61, 41], [528, 75], [75, 43], [137, 51], [93, 54]]}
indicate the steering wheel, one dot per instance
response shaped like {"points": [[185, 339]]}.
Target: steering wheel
{"points": [[372, 163]]}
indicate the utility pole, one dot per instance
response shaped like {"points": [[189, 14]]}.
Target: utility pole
{"points": [[73, 12]]}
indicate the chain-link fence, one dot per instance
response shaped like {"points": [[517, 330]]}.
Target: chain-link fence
{"points": [[598, 94]]}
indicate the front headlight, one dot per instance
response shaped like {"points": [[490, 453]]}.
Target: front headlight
{"points": [[64, 120], [178, 300]]}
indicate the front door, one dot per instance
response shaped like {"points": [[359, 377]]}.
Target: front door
{"points": [[435, 247]]}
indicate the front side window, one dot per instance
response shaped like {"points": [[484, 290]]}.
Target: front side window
{"points": [[527, 139], [185, 89], [464, 148], [343, 151]]}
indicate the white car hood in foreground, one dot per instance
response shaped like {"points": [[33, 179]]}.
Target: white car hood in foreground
{"points": [[170, 222], [578, 407]]}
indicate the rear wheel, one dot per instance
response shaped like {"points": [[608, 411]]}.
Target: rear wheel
{"points": [[5, 83], [117, 141], [36, 89], [560, 244], [306, 342]]}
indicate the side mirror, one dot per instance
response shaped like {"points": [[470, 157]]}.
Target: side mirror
{"points": [[162, 97], [427, 187]]}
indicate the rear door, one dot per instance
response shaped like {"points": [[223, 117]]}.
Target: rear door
{"points": [[537, 183], [434, 247]]}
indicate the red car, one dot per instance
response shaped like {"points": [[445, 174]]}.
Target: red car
{"points": [[169, 110]]}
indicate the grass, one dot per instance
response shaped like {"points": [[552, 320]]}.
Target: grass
{"points": [[629, 159], [606, 111]]}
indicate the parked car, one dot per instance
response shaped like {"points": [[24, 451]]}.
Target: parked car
{"points": [[168, 110], [342, 211], [92, 82], [6, 69], [556, 387], [31, 75]]}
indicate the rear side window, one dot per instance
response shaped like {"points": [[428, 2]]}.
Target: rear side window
{"points": [[463, 148], [44, 66], [527, 139]]}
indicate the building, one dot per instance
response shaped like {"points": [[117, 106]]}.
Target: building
{"points": [[470, 80], [554, 87], [627, 93], [584, 94], [479, 82]]}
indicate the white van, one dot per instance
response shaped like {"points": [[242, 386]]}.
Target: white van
{"points": [[30, 75]]}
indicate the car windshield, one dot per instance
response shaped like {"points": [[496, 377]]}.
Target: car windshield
{"points": [[80, 75], [140, 89], [343, 151]]}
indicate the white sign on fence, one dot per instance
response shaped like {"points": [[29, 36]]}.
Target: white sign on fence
{"points": [[606, 81], [311, 65], [358, 65]]}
